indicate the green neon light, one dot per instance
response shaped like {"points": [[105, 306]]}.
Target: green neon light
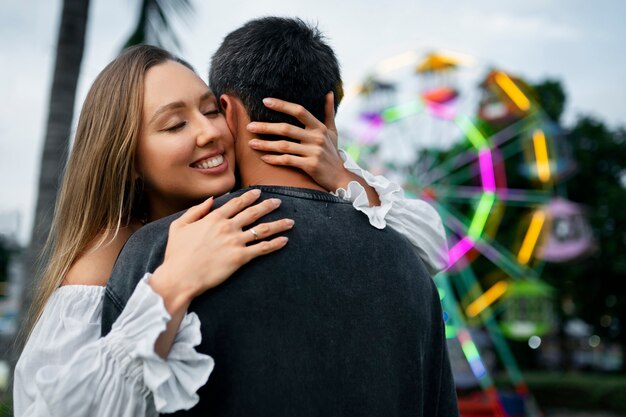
{"points": [[396, 113], [451, 331], [354, 152], [480, 216], [469, 349], [473, 134]]}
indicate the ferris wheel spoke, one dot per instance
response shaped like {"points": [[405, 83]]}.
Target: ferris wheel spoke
{"points": [[516, 197], [497, 140], [496, 253]]}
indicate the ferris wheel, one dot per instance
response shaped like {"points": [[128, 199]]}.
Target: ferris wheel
{"points": [[474, 142]]}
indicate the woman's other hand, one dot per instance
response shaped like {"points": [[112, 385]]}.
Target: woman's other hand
{"points": [[316, 154]]}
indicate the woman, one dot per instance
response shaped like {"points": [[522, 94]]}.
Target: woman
{"points": [[148, 364]]}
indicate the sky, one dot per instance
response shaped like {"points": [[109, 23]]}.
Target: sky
{"points": [[580, 43]]}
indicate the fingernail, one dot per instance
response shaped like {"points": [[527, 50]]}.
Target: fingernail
{"points": [[276, 202], [252, 126], [290, 222], [254, 143], [256, 192], [268, 101], [284, 239]]}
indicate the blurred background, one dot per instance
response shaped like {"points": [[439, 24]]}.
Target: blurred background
{"points": [[508, 117]]}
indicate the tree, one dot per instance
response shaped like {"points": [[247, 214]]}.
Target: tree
{"points": [[69, 55], [596, 284]]}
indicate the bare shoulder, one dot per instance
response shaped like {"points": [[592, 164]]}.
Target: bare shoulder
{"points": [[94, 265]]}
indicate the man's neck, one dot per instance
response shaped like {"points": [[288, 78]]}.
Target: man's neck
{"points": [[253, 171]]}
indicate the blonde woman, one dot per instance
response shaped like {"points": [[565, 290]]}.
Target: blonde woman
{"points": [[112, 185]]}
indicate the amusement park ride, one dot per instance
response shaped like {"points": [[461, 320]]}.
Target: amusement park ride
{"points": [[475, 143]]}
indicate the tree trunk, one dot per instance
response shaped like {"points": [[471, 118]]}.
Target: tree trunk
{"points": [[69, 55]]}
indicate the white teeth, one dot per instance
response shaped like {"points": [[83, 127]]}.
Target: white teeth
{"points": [[210, 163]]}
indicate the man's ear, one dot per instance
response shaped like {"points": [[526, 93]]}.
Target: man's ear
{"points": [[229, 107]]}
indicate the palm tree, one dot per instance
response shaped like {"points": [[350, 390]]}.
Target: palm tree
{"points": [[69, 55]]}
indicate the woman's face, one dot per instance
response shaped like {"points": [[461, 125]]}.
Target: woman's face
{"points": [[185, 152]]}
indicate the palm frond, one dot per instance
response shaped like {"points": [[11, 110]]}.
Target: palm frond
{"points": [[154, 23]]}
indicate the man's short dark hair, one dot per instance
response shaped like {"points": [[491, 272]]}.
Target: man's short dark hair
{"points": [[277, 57]]}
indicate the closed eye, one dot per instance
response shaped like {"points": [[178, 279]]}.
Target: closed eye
{"points": [[176, 127], [211, 113]]}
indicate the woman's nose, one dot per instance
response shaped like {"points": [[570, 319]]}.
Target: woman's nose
{"points": [[207, 133]]}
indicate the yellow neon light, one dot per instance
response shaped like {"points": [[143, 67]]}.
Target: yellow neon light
{"points": [[485, 300], [541, 156], [508, 86], [532, 236]]}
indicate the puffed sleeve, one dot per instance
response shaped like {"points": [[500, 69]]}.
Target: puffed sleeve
{"points": [[67, 369], [415, 219]]}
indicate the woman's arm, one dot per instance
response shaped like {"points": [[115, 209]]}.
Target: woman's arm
{"points": [[187, 271], [66, 368], [380, 199], [414, 218]]}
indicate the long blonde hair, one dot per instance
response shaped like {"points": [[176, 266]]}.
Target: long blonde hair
{"points": [[101, 188]]}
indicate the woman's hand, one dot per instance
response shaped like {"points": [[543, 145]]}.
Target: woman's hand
{"points": [[204, 249], [316, 154]]}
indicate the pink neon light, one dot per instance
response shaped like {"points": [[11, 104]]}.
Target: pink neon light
{"points": [[486, 170], [443, 111], [458, 250]]}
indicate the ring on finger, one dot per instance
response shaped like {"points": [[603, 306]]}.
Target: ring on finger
{"points": [[254, 232]]}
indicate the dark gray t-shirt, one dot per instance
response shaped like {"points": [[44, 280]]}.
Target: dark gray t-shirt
{"points": [[343, 321]]}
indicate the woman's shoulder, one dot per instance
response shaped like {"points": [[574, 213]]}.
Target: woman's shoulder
{"points": [[94, 265]]}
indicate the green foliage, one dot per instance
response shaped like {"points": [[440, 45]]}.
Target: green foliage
{"points": [[578, 391], [5, 409], [597, 283], [552, 98], [154, 25]]}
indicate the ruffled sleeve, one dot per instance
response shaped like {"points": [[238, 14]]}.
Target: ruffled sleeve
{"points": [[67, 369], [415, 219]]}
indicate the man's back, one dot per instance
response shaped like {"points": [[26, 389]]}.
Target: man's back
{"points": [[343, 321]]}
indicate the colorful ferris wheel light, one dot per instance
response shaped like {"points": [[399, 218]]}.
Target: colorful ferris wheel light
{"points": [[541, 156], [471, 353], [486, 170], [480, 217], [510, 89], [401, 111], [532, 236], [457, 251], [487, 298], [472, 133]]}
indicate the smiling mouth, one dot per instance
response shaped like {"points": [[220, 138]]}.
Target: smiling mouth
{"points": [[211, 162]]}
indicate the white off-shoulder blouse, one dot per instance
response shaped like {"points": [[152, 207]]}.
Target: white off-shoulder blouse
{"points": [[67, 369]]}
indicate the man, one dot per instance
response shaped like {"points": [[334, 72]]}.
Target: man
{"points": [[344, 320]]}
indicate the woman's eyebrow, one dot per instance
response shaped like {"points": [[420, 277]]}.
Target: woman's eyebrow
{"points": [[205, 96], [167, 107], [177, 105]]}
